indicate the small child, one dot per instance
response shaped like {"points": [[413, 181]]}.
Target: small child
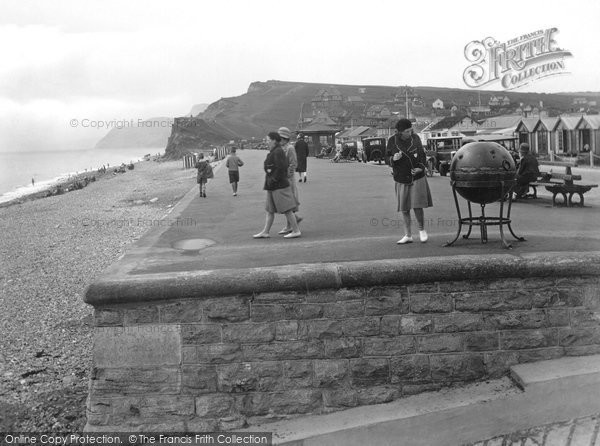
{"points": [[233, 164], [204, 173]]}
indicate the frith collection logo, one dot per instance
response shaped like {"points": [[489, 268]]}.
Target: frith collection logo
{"points": [[514, 63]]}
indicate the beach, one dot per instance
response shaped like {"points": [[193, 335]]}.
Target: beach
{"points": [[51, 249]]}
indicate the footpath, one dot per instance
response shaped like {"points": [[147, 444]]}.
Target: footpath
{"points": [[349, 214]]}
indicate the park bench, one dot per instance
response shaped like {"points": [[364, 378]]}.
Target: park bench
{"points": [[560, 183]]}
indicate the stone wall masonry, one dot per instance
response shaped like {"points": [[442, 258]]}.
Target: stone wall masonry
{"points": [[223, 362]]}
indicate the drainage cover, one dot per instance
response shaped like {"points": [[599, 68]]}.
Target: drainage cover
{"points": [[193, 244]]}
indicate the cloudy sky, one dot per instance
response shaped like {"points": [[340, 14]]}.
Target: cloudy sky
{"points": [[117, 60]]}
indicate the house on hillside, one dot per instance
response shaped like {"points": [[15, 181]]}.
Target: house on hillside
{"points": [[494, 102], [438, 104], [505, 101], [355, 100], [378, 111], [325, 97], [478, 111]]}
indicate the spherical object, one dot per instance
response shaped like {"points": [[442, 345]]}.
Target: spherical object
{"points": [[478, 170]]}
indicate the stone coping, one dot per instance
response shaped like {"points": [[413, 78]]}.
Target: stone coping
{"points": [[119, 286]]}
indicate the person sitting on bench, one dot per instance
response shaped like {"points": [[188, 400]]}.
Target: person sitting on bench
{"points": [[527, 172]]}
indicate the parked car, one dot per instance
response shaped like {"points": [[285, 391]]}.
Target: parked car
{"points": [[374, 149], [439, 153]]}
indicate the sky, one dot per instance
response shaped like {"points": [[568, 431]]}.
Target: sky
{"points": [[72, 69]]}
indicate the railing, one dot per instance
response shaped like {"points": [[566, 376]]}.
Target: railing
{"points": [[190, 160]]}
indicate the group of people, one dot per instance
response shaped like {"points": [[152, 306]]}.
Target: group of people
{"points": [[406, 157], [283, 161]]}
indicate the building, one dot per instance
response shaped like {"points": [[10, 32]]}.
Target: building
{"points": [[325, 97], [526, 132], [567, 137], [588, 128], [438, 104], [480, 110], [544, 134]]}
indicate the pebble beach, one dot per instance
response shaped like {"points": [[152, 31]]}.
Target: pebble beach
{"points": [[50, 250]]}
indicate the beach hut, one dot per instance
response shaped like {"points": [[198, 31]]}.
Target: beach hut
{"points": [[567, 140], [588, 128], [526, 133], [544, 135]]}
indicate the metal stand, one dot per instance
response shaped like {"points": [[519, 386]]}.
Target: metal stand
{"points": [[483, 221]]}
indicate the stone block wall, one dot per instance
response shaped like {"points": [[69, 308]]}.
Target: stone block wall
{"points": [[223, 362]]}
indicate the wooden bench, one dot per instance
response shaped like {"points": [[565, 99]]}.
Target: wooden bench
{"points": [[561, 184]]}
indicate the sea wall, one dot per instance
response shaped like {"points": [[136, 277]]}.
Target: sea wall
{"points": [[186, 352]]}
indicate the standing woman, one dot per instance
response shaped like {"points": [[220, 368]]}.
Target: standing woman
{"points": [[408, 161], [280, 198], [301, 153]]}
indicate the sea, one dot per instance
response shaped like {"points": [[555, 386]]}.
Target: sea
{"points": [[17, 169]]}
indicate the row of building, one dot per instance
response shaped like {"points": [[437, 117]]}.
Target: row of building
{"points": [[562, 135], [547, 137]]}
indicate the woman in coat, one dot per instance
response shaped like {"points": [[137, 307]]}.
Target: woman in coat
{"points": [[205, 172], [408, 161], [301, 153], [280, 198]]}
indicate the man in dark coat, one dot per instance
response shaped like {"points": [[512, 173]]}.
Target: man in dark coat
{"points": [[528, 171], [301, 153]]}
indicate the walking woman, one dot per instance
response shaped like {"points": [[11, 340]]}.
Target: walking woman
{"points": [[280, 198], [205, 172], [408, 161]]}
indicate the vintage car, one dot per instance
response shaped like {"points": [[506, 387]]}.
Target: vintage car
{"points": [[440, 149], [439, 153], [374, 149]]}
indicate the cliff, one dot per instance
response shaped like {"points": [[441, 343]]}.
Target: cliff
{"points": [[152, 132], [190, 135]]}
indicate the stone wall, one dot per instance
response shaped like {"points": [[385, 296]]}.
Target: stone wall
{"points": [[207, 362]]}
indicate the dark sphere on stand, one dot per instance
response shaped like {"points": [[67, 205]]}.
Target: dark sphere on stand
{"points": [[478, 170]]}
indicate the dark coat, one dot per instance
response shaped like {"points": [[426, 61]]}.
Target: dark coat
{"points": [[529, 167], [301, 153], [276, 166], [204, 171], [413, 156]]}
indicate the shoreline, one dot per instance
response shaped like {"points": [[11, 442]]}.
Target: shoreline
{"points": [[52, 249], [65, 183]]}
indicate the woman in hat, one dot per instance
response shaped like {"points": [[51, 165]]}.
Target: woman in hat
{"points": [[408, 161], [280, 198]]}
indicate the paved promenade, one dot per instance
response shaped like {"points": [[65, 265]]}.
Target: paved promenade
{"points": [[349, 214]]}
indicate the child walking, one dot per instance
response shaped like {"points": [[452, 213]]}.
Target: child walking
{"points": [[204, 173], [233, 164]]}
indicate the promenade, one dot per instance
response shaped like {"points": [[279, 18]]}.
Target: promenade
{"points": [[203, 248], [349, 214]]}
